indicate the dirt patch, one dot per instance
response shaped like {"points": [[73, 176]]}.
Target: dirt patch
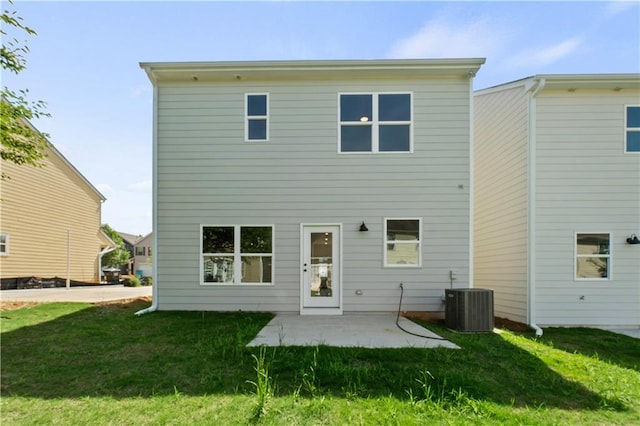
{"points": [[122, 303], [10, 306], [438, 318]]}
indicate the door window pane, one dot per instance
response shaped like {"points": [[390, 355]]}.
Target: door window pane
{"points": [[321, 264]]}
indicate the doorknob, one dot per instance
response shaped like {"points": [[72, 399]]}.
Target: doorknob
{"points": [[305, 268]]}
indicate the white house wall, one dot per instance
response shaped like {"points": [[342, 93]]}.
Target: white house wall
{"points": [[500, 198], [207, 174], [586, 184]]}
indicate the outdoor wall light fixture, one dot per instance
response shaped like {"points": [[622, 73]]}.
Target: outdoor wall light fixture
{"points": [[363, 227], [633, 239]]}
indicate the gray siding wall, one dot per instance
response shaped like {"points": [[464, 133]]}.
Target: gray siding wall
{"points": [[586, 183], [500, 199], [207, 174]]}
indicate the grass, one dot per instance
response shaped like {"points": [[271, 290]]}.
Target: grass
{"points": [[70, 363]]}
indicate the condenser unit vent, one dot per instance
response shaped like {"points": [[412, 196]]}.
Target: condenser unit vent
{"points": [[469, 309]]}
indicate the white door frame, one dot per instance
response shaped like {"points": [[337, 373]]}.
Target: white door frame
{"points": [[307, 310]]}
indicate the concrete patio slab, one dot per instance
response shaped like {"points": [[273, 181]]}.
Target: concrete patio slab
{"points": [[90, 294], [349, 330]]}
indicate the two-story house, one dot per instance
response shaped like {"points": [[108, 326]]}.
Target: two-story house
{"points": [[49, 224], [557, 199], [311, 186]]}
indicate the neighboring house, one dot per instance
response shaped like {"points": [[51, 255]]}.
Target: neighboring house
{"points": [[129, 241], [142, 256], [557, 195], [311, 186], [50, 222]]}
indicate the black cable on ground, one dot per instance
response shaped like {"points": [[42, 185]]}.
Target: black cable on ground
{"points": [[407, 331]]}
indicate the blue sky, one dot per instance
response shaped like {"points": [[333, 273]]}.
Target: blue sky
{"points": [[84, 60]]}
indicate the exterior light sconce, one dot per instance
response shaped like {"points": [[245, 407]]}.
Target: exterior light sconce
{"points": [[363, 227], [633, 239]]}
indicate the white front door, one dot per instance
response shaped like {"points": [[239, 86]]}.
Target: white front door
{"points": [[321, 270]]}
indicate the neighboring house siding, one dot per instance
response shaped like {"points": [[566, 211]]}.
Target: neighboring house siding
{"points": [[500, 199], [207, 174], [42, 208], [586, 183], [143, 262]]}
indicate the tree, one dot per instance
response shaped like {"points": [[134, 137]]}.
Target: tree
{"points": [[21, 142], [119, 256]]}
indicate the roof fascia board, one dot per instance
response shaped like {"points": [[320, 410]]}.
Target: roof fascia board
{"points": [[206, 71]]}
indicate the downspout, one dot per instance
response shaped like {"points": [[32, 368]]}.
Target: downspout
{"points": [[472, 74], [154, 215], [535, 88], [102, 253]]}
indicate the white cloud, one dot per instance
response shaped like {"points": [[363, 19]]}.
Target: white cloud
{"points": [[543, 56], [616, 7], [439, 38], [142, 186]]}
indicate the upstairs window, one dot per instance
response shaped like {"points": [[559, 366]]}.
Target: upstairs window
{"points": [[593, 257], [375, 122], [140, 251], [256, 117], [632, 129], [4, 244]]}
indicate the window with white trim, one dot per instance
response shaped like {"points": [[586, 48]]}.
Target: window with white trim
{"points": [[375, 122], [237, 254], [632, 129], [593, 256], [4, 244], [256, 117], [402, 242]]}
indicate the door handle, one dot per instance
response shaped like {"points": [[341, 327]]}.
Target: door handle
{"points": [[305, 268]]}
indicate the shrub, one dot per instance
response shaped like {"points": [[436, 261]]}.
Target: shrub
{"points": [[132, 281]]}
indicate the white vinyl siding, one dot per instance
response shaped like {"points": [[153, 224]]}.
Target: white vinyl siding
{"points": [[585, 182], [500, 199], [204, 176]]}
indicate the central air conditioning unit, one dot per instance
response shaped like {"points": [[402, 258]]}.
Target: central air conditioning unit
{"points": [[469, 309]]}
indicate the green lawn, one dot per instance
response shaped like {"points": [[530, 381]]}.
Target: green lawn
{"points": [[71, 363]]}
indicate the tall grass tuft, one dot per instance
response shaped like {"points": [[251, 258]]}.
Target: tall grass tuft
{"points": [[263, 384]]}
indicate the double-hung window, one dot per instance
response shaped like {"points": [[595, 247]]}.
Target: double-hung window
{"points": [[237, 254], [402, 242], [257, 117], [593, 256], [4, 244], [140, 251], [375, 122], [632, 129]]}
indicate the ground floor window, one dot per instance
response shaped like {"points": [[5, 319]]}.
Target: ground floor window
{"points": [[237, 254], [593, 256], [402, 242]]}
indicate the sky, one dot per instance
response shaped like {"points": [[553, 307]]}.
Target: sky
{"points": [[83, 62]]}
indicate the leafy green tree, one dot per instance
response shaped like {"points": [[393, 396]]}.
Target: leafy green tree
{"points": [[119, 256], [21, 142]]}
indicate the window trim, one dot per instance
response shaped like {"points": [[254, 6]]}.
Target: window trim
{"points": [[237, 256], [609, 256], [6, 246], [628, 129], [248, 118], [385, 263], [375, 123]]}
